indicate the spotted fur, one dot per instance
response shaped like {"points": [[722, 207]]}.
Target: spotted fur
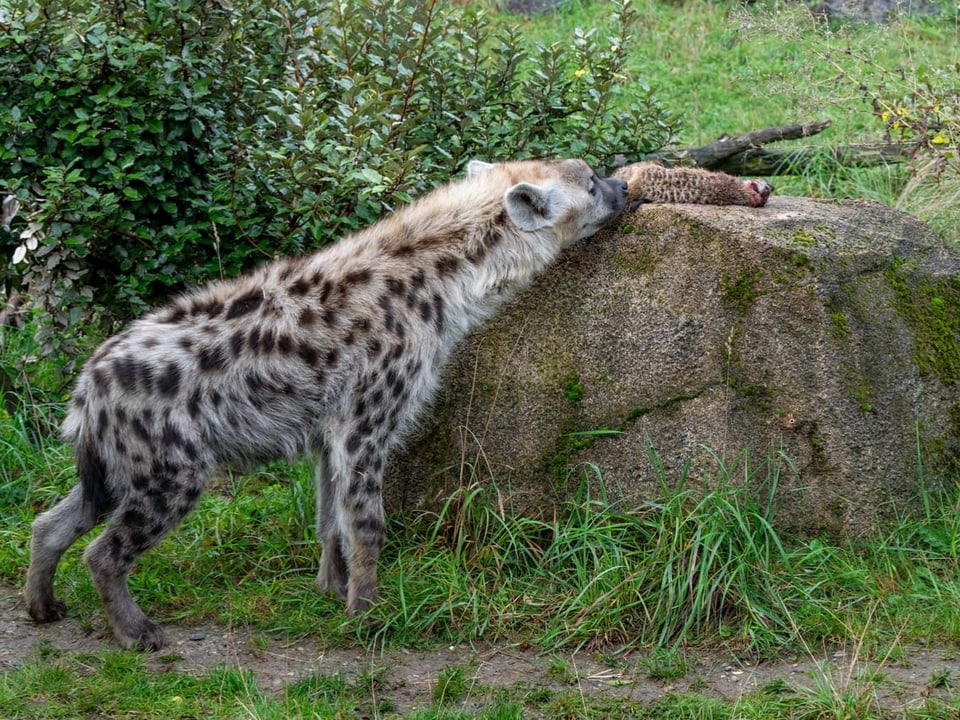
{"points": [[333, 354], [651, 182]]}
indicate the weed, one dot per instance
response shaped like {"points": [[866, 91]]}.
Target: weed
{"points": [[453, 685], [558, 670], [665, 664]]}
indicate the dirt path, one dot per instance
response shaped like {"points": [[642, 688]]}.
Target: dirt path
{"points": [[407, 677]]}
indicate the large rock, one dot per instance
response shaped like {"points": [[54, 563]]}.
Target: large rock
{"points": [[827, 333]]}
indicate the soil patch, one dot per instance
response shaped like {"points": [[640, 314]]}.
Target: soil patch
{"points": [[408, 677]]}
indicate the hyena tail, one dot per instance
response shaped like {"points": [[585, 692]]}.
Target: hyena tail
{"points": [[59, 527]]}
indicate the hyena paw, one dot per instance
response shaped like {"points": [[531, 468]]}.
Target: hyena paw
{"points": [[336, 585], [758, 191], [49, 611], [147, 635], [361, 602]]}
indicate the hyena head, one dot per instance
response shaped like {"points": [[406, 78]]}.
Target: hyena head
{"points": [[564, 198]]}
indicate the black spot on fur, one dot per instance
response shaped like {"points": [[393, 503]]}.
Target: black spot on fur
{"points": [[254, 340], [191, 450], [353, 443], [193, 404], [373, 349], [426, 311], [369, 526], [101, 384], [329, 316], [139, 428], [212, 358], [403, 250], [284, 344], [103, 423], [307, 317], [418, 280], [446, 266], [171, 436], [267, 340], [245, 304], [173, 315], [300, 287], [168, 383], [236, 342], [159, 502], [332, 356], [308, 353], [325, 291], [125, 371], [145, 375], [439, 312], [214, 309], [358, 277], [396, 286]]}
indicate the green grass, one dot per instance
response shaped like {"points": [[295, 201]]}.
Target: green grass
{"points": [[702, 565]]}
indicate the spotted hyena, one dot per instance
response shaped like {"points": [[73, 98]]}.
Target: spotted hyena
{"points": [[332, 354]]}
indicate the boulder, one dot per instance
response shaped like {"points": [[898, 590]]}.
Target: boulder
{"points": [[814, 342]]}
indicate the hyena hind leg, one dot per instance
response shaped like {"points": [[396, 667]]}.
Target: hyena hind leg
{"points": [[362, 518], [53, 532], [135, 527], [333, 565]]}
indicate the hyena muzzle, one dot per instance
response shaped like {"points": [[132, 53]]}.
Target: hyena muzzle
{"points": [[332, 354]]}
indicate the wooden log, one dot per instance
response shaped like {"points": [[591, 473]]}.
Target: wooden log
{"points": [[709, 156], [744, 154], [761, 161]]}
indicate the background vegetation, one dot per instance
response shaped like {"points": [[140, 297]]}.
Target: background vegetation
{"points": [[153, 145]]}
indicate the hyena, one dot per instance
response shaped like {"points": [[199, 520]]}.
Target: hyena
{"points": [[333, 354]]}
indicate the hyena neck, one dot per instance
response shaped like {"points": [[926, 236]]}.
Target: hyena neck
{"points": [[480, 258]]}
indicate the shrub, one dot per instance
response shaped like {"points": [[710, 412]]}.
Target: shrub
{"points": [[155, 145]]}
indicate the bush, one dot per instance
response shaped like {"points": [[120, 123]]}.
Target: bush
{"points": [[155, 145]]}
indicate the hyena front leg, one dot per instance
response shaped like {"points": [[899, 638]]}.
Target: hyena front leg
{"points": [[143, 518], [333, 566], [53, 532]]}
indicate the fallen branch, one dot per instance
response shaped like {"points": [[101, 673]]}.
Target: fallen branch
{"points": [[744, 154], [760, 161]]}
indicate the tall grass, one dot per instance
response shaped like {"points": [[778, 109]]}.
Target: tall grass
{"points": [[727, 68]]}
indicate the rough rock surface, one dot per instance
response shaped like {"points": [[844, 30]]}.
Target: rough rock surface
{"points": [[827, 333]]}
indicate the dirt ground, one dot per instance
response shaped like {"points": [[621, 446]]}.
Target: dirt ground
{"points": [[407, 677]]}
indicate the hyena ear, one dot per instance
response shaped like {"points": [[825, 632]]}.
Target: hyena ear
{"points": [[529, 206], [477, 167]]}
